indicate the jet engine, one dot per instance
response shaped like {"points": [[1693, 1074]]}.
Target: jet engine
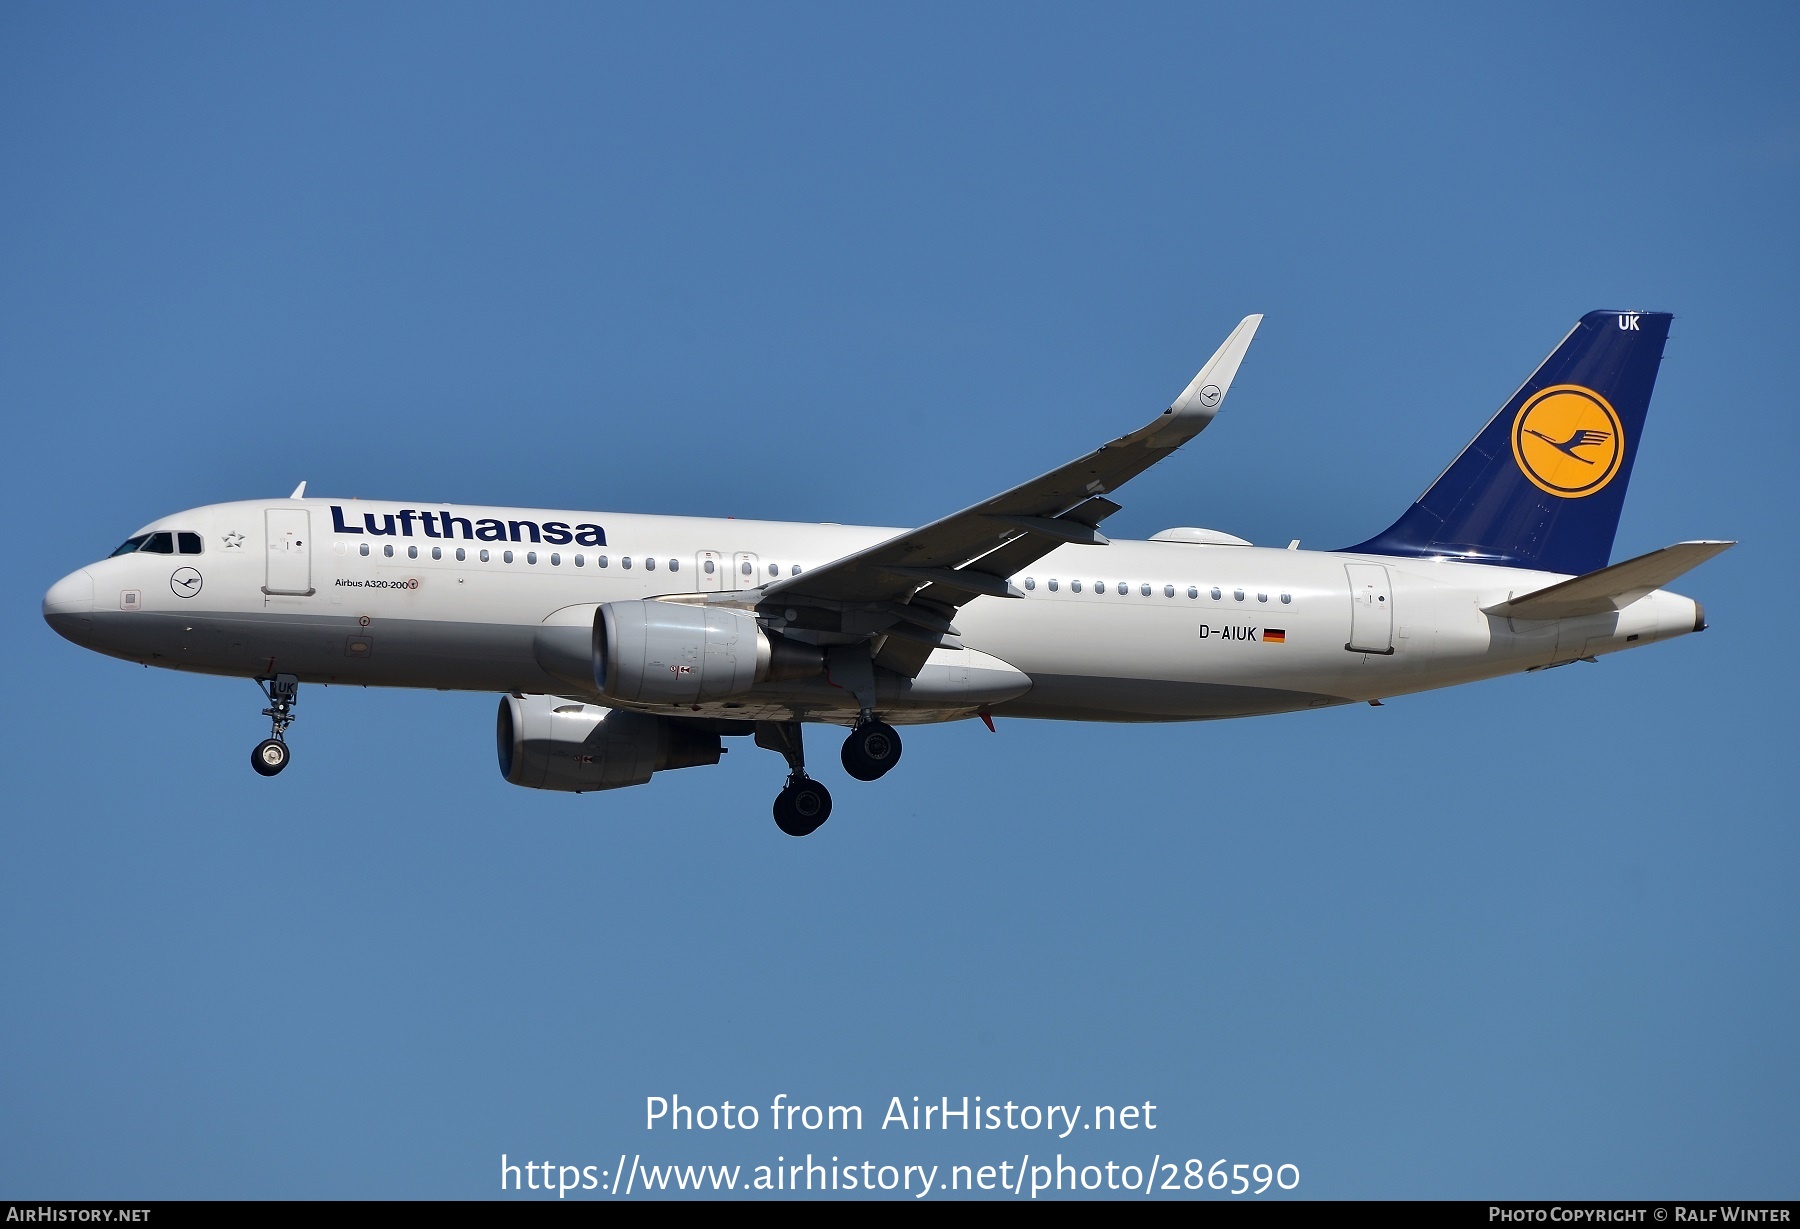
{"points": [[548, 742], [668, 653]]}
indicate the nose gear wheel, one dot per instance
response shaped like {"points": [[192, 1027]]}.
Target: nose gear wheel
{"points": [[271, 754], [270, 757]]}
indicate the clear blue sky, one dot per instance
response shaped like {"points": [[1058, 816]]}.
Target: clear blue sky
{"points": [[1533, 937]]}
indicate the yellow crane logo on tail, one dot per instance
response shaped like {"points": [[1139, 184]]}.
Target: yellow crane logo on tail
{"points": [[1567, 439]]}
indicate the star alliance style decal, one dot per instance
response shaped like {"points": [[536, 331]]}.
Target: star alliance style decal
{"points": [[233, 540]]}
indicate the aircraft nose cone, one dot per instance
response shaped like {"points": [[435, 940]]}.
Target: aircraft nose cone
{"points": [[69, 603]]}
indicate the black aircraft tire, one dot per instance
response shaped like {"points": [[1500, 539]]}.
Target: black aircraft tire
{"points": [[812, 803], [871, 750], [270, 757], [802, 807]]}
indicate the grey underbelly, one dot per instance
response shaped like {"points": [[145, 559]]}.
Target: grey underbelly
{"points": [[498, 657], [1066, 697], [327, 649]]}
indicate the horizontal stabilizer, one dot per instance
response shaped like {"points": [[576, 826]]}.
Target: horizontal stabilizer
{"points": [[1612, 588]]}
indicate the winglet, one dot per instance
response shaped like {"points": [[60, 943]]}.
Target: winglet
{"points": [[1205, 393], [299, 491]]}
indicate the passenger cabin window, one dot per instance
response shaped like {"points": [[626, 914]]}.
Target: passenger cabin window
{"points": [[363, 550], [1053, 584], [388, 550], [412, 552]]}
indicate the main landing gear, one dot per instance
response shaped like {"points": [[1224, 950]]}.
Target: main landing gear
{"points": [[271, 754], [803, 804], [872, 748]]}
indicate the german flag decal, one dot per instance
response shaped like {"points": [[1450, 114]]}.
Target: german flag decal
{"points": [[1274, 635]]}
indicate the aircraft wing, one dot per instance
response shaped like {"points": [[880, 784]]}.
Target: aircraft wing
{"points": [[918, 578]]}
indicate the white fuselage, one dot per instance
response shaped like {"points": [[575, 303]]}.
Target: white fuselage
{"points": [[1131, 631]]}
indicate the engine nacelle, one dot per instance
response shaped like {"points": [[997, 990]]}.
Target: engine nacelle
{"points": [[548, 742], [669, 653]]}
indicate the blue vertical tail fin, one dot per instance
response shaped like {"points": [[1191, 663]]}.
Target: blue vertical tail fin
{"points": [[1542, 485]]}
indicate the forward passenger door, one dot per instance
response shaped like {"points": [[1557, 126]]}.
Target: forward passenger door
{"points": [[289, 552]]}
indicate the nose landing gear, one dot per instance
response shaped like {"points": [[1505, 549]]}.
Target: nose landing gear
{"points": [[271, 754], [270, 757]]}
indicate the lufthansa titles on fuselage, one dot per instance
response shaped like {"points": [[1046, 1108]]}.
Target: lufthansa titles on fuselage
{"points": [[444, 524]]}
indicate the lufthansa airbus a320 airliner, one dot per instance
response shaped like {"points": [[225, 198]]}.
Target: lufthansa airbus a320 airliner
{"points": [[627, 645]]}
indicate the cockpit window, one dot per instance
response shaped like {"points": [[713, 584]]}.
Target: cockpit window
{"points": [[163, 544]]}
